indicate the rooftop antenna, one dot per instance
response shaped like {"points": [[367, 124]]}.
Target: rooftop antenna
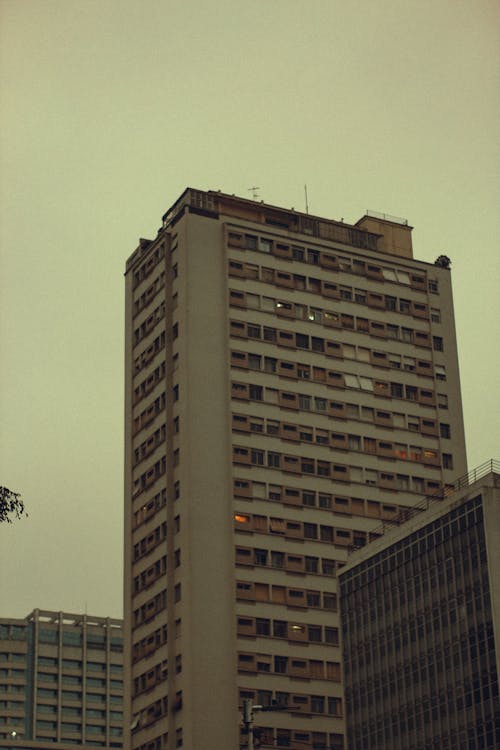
{"points": [[253, 190], [307, 203]]}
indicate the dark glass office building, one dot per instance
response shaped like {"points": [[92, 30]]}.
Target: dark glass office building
{"points": [[419, 635]]}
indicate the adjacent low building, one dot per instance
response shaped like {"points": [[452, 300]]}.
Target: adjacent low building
{"points": [[61, 681], [420, 613]]}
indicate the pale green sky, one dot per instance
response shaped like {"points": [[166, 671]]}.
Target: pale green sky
{"points": [[111, 108]]}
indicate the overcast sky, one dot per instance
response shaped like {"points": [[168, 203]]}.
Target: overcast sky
{"points": [[110, 109]]}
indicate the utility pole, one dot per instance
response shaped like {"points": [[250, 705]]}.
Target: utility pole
{"points": [[248, 709]]}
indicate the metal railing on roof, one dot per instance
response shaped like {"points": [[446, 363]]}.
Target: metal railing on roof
{"points": [[443, 492], [387, 217]]}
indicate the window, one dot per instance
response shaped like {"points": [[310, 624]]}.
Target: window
{"points": [[435, 315], [440, 372], [273, 459], [304, 402], [433, 285], [317, 704], [442, 400], [315, 315], [262, 626], [437, 343], [328, 567], [270, 364], [332, 636], [277, 559], [255, 392], [325, 501], [346, 292], [312, 565], [302, 341], [396, 390], [257, 457], [260, 556], [447, 461], [444, 430], [254, 361], [310, 531]]}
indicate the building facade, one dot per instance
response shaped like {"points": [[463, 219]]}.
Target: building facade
{"points": [[290, 381], [61, 681], [420, 627]]}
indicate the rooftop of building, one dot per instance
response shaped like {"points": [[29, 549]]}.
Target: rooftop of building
{"points": [[374, 231], [449, 496], [64, 618]]}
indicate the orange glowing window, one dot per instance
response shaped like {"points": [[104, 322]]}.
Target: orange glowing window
{"points": [[241, 519]]}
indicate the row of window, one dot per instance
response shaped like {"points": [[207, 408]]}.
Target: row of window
{"points": [[16, 674], [150, 575], [291, 597], [73, 727], [147, 447], [339, 350], [152, 677], [315, 669], [149, 509], [150, 714], [413, 549], [90, 713], [149, 414], [246, 456], [74, 680], [421, 671], [12, 705], [158, 743], [327, 260], [147, 297], [75, 664], [149, 477], [299, 530], [294, 340], [299, 739], [334, 319], [12, 632], [155, 317], [291, 631], [149, 644], [284, 279], [76, 696], [150, 609], [295, 702], [147, 356], [336, 440], [333, 379], [149, 383], [149, 265], [12, 656], [149, 542], [287, 562], [339, 504], [339, 409]]}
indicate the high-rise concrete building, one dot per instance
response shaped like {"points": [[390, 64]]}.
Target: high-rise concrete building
{"points": [[421, 626], [61, 681], [290, 381]]}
